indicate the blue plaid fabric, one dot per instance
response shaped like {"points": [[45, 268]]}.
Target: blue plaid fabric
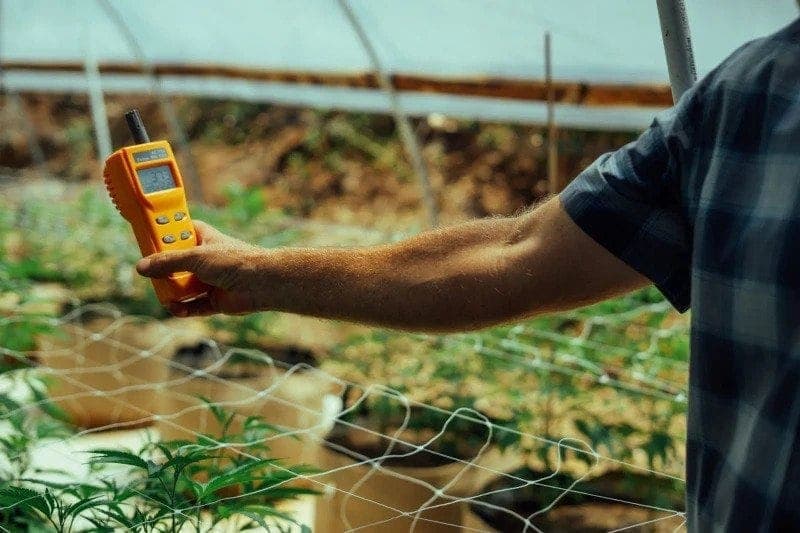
{"points": [[706, 204]]}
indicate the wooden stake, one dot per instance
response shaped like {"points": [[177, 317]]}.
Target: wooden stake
{"points": [[552, 132]]}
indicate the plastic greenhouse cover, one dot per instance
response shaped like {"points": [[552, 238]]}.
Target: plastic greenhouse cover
{"points": [[612, 41]]}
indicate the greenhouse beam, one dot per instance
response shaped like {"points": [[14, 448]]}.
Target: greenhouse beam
{"points": [[97, 104], [190, 172], [407, 135], [677, 45]]}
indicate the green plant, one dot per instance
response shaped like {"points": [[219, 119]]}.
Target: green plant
{"points": [[247, 216], [169, 486], [439, 378], [84, 245], [247, 331], [244, 204], [29, 418], [608, 375]]}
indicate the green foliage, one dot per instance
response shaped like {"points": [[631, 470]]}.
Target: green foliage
{"points": [[245, 330], [246, 215], [244, 204], [18, 329], [168, 486], [84, 245], [609, 440], [196, 483], [20, 335], [586, 374], [28, 419]]}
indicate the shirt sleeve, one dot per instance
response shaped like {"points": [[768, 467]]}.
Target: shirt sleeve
{"points": [[629, 201]]}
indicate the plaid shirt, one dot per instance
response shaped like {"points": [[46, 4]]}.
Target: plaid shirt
{"points": [[706, 204]]}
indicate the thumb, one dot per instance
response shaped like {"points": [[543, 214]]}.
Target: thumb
{"points": [[162, 264]]}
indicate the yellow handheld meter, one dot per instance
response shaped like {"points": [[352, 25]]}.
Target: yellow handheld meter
{"points": [[145, 185]]}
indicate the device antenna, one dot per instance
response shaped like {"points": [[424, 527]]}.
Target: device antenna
{"points": [[136, 126]]}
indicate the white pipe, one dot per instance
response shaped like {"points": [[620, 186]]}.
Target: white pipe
{"points": [[407, 135], [190, 173], [677, 46], [96, 101]]}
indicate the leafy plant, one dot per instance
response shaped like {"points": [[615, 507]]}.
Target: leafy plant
{"points": [[169, 486], [28, 418], [606, 374], [247, 331]]}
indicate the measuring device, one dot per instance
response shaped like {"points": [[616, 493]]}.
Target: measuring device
{"points": [[146, 186]]}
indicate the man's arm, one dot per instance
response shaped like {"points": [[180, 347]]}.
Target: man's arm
{"points": [[461, 277]]}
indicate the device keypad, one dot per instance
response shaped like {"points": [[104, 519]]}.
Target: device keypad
{"points": [[175, 229]]}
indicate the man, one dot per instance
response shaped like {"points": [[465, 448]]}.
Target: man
{"points": [[705, 205]]}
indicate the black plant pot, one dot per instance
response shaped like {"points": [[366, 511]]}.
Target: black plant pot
{"points": [[369, 499], [578, 510]]}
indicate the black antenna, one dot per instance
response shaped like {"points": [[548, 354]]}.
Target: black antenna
{"points": [[136, 126]]}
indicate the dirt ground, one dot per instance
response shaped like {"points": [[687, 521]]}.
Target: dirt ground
{"points": [[334, 166]]}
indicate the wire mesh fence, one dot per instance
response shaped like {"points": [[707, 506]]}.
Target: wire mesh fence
{"points": [[572, 420]]}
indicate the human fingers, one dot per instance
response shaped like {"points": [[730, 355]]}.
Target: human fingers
{"points": [[162, 264]]}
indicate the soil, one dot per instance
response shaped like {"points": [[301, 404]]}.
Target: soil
{"points": [[203, 354], [577, 512], [339, 167], [364, 443]]}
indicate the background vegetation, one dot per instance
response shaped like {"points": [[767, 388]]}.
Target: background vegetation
{"points": [[613, 374]]}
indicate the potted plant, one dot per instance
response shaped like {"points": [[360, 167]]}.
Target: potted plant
{"points": [[97, 353], [563, 502], [168, 486], [402, 454], [605, 379]]}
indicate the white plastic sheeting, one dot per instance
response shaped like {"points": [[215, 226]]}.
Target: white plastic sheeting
{"points": [[611, 41]]}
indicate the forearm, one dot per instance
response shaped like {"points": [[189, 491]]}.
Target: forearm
{"points": [[462, 277], [452, 278]]}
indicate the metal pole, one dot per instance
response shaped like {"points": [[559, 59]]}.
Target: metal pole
{"points": [[195, 191], [552, 132], [96, 102], [677, 46], [404, 128]]}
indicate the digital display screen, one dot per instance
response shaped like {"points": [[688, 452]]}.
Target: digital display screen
{"points": [[158, 178]]}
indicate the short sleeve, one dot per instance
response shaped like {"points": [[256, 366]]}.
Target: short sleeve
{"points": [[629, 201]]}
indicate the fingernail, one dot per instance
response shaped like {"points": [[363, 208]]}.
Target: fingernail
{"points": [[143, 264]]}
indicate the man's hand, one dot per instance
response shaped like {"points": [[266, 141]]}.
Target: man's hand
{"points": [[222, 262]]}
